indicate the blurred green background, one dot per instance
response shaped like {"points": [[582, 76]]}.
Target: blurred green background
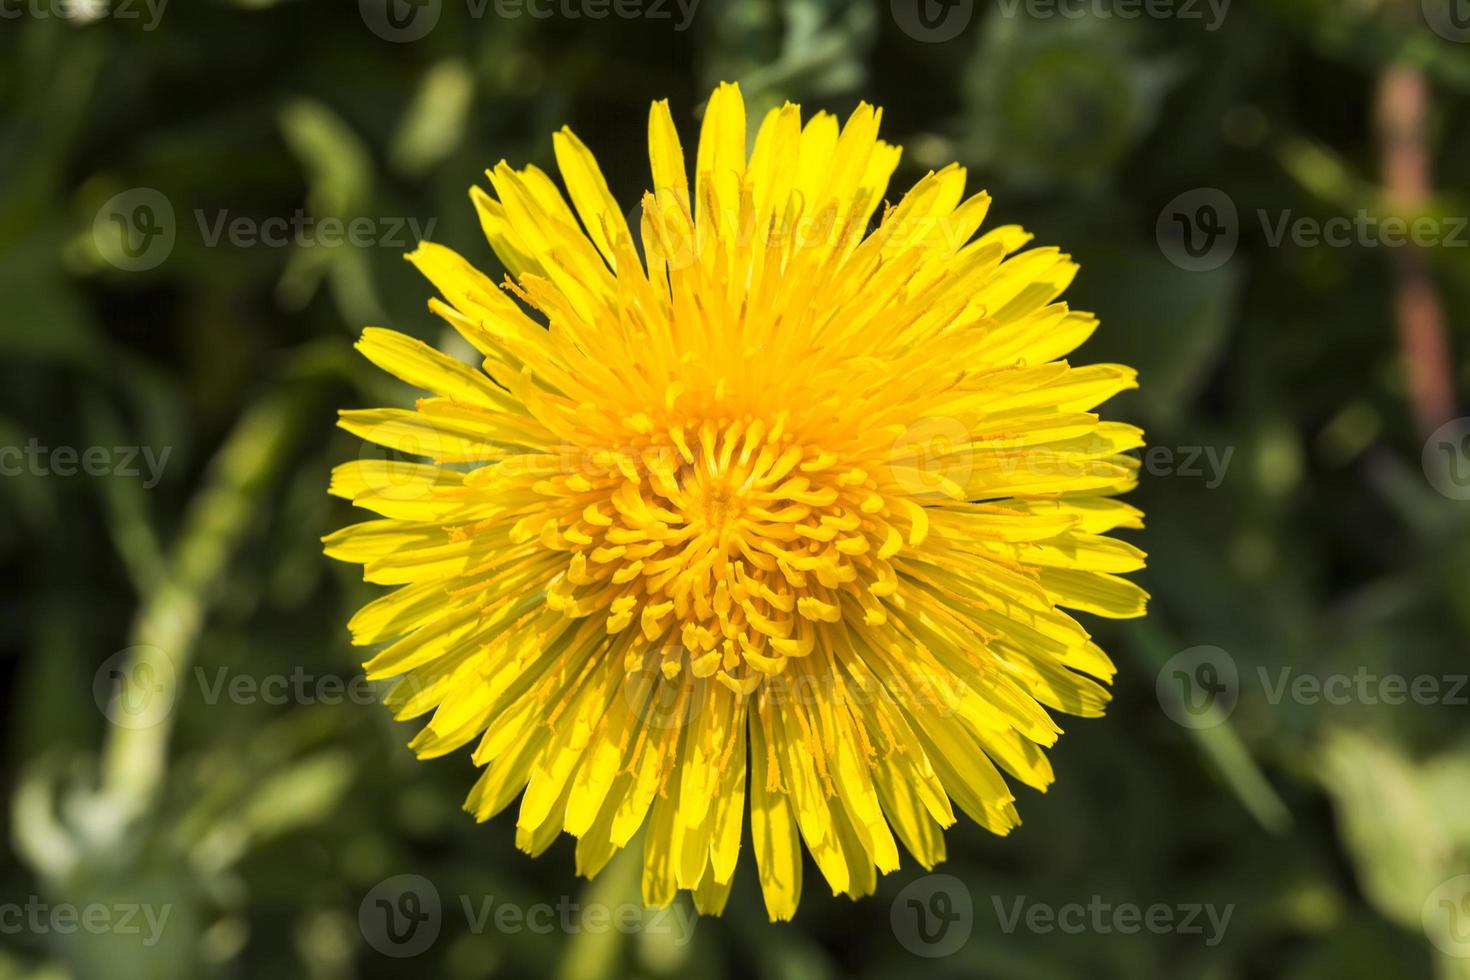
{"points": [[1321, 541]]}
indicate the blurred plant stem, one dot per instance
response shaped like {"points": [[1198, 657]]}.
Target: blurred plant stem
{"points": [[1402, 105], [1218, 740], [600, 955], [166, 627]]}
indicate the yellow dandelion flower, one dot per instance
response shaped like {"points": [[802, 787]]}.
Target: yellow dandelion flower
{"points": [[779, 506]]}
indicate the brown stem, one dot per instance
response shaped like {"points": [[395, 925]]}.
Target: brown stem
{"points": [[1402, 107]]}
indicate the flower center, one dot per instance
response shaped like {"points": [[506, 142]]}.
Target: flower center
{"points": [[723, 549], [718, 502]]}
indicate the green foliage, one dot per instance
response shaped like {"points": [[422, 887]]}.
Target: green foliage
{"points": [[263, 824]]}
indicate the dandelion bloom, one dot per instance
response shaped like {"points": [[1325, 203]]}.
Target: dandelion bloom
{"points": [[775, 504]]}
